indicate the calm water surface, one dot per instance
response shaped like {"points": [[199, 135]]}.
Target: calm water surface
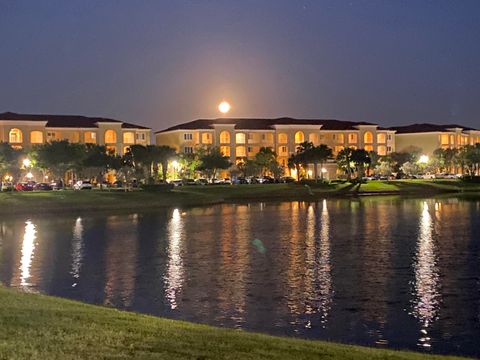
{"points": [[388, 273]]}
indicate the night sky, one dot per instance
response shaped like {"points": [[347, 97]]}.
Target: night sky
{"points": [[158, 63]]}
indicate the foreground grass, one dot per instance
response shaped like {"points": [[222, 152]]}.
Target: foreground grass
{"points": [[40, 327], [61, 201]]}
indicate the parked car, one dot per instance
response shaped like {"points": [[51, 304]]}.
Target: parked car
{"points": [[252, 179], [240, 180], [189, 182], [25, 186], [57, 185], [43, 187], [287, 179], [83, 185], [176, 182], [7, 186], [266, 180], [222, 181]]}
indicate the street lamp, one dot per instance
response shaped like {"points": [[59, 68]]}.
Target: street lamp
{"points": [[423, 159], [27, 162]]}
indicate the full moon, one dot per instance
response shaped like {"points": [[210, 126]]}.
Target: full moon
{"points": [[224, 107]]}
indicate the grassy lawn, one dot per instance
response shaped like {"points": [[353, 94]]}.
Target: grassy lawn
{"points": [[40, 327], [60, 201]]}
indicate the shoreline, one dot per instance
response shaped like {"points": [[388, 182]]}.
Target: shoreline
{"points": [[68, 201], [62, 328]]}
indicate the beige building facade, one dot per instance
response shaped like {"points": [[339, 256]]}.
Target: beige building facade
{"points": [[243, 138], [24, 131], [429, 137]]}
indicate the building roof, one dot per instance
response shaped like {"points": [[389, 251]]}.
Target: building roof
{"points": [[425, 128], [266, 124], [66, 121]]}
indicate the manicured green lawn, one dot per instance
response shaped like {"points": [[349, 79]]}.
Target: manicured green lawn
{"points": [[41, 327], [68, 200]]}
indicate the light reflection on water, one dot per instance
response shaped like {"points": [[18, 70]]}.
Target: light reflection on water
{"points": [[400, 273]]}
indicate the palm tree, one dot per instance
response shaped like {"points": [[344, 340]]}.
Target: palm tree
{"points": [[344, 161], [162, 154], [319, 155], [295, 161], [361, 159]]}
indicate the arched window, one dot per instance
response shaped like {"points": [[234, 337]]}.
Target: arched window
{"points": [[240, 138], [89, 137], [15, 136], [299, 137], [36, 137], [224, 137], [282, 138], [110, 137], [368, 137], [240, 151], [128, 137]]}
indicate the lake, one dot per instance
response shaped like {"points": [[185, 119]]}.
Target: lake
{"points": [[385, 272]]}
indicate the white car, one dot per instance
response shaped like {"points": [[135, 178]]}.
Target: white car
{"points": [[82, 185]]}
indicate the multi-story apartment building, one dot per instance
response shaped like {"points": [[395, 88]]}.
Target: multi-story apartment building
{"points": [[242, 138], [429, 137], [23, 131]]}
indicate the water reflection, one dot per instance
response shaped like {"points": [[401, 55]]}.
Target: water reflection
{"points": [[427, 295], [77, 250], [325, 268], [174, 275], [28, 249]]}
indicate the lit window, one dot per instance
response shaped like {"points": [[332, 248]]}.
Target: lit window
{"points": [[337, 149], [368, 137], [15, 136], [36, 137], [352, 138], [188, 150], [340, 138], [381, 138], [224, 137], [128, 137], [240, 151], [225, 150], [89, 137], [299, 137], [188, 136], [240, 138], [282, 138], [382, 150], [368, 148], [206, 138], [110, 137], [74, 137]]}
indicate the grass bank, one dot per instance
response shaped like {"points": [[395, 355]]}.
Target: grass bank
{"points": [[61, 201], [41, 327]]}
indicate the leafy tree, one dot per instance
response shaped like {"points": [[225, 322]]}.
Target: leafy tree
{"points": [[384, 168], [248, 167], [319, 155], [189, 162], [410, 168], [212, 160], [96, 161], [295, 161], [58, 157], [265, 159], [9, 161]]}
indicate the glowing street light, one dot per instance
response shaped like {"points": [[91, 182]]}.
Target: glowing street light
{"points": [[29, 175], [324, 170], [423, 159], [27, 162]]}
